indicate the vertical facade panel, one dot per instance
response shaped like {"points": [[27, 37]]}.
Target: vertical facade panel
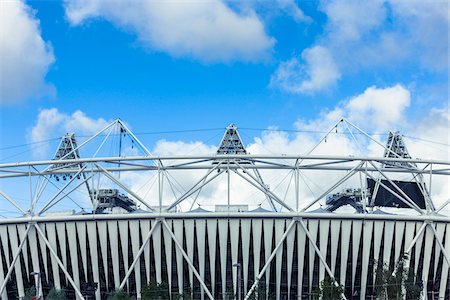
{"points": [[324, 226], [399, 232], [156, 238], [245, 229], [212, 236], [145, 229], [301, 245], [178, 232], [345, 248], [135, 246], [356, 239], [388, 236], [279, 231], [168, 252], [440, 228], [418, 246], [200, 226], [93, 252], [21, 229], [312, 228], [367, 240], [445, 282], [71, 232], [189, 229], [223, 238], [123, 230], [268, 233], [234, 240], [103, 240], [12, 232], [51, 237], [34, 256], [334, 228], [61, 231], [429, 240], [114, 248], [290, 240], [81, 230]]}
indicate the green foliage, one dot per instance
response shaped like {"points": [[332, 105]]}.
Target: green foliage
{"points": [[29, 293], [392, 285], [119, 294], [155, 290], [55, 294], [330, 289]]}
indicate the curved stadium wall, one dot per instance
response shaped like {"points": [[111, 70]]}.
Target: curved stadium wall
{"points": [[101, 249]]}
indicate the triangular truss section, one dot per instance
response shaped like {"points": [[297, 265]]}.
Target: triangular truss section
{"points": [[231, 142], [67, 149], [396, 148]]}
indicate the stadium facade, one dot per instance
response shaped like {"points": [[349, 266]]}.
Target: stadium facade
{"points": [[282, 250]]}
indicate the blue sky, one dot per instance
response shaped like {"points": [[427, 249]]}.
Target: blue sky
{"points": [[178, 66]]}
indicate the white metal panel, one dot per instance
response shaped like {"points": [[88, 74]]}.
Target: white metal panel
{"points": [[168, 250], [34, 256], [367, 239], [71, 233], [234, 239], [279, 231], [178, 232], [445, 267], [335, 228], [388, 236], [356, 239], [12, 232], [409, 236], [377, 236], [324, 226], [189, 231], [290, 239], [345, 248], [81, 230], [21, 229], [145, 229], [3, 272], [135, 245], [257, 234], [418, 246], [429, 239], [156, 238], [245, 231], [212, 235], [103, 240], [93, 249], [61, 231], [312, 228], [268, 233], [51, 236], [123, 230], [440, 227], [114, 242], [200, 226], [5, 245], [223, 237], [301, 241], [399, 232]]}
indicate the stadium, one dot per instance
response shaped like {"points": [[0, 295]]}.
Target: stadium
{"points": [[226, 225]]}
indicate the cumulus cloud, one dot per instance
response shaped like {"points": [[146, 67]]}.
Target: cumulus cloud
{"points": [[371, 34], [51, 122], [25, 56], [314, 71], [208, 31]]}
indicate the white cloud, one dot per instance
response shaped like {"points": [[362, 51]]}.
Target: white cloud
{"points": [[51, 122], [208, 31], [25, 56], [318, 72], [375, 34], [292, 9]]}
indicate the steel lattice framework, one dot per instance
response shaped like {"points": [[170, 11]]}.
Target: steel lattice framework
{"points": [[282, 251]]}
